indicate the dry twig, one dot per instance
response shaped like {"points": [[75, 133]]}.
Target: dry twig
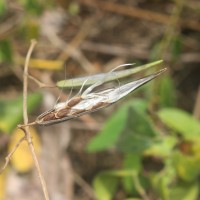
{"points": [[8, 157], [25, 128], [40, 84]]}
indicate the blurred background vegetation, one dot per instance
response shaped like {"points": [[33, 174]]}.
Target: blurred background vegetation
{"points": [[145, 147]]}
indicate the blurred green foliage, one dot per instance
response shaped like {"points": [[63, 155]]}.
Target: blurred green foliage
{"points": [[2, 7], [172, 139], [11, 111], [167, 92], [34, 7], [5, 51], [27, 29], [176, 47]]}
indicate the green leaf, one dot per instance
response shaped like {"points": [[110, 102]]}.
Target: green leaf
{"points": [[181, 122], [108, 137], [139, 182], [165, 185], [105, 183], [138, 119], [11, 111], [139, 131], [131, 162], [105, 186], [167, 92], [110, 132], [185, 191], [187, 167], [162, 147], [163, 179]]}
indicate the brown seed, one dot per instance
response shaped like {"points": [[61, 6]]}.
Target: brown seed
{"points": [[62, 113], [99, 104], [75, 112], [49, 116], [72, 102]]}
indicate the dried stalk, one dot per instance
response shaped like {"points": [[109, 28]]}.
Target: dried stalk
{"points": [[25, 116], [7, 158]]}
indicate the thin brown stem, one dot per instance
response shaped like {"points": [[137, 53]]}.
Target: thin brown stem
{"points": [[7, 158], [25, 116], [40, 84], [29, 124]]}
